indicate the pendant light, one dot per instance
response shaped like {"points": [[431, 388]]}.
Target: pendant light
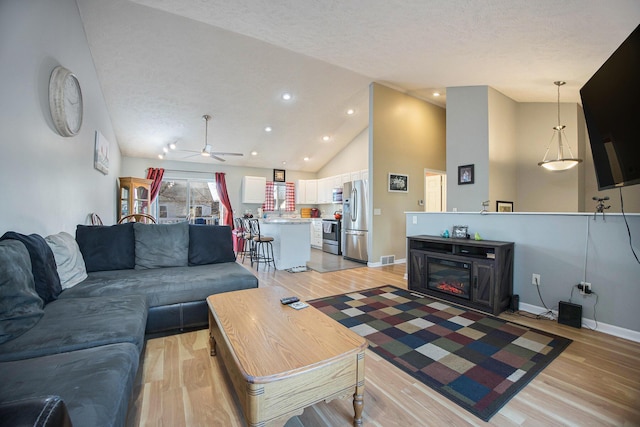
{"points": [[560, 163]]}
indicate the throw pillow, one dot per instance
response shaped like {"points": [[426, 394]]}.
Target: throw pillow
{"points": [[66, 252], [107, 247], [210, 244], [43, 265], [161, 245], [20, 305]]}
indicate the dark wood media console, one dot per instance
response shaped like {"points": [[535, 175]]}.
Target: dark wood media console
{"points": [[473, 273]]}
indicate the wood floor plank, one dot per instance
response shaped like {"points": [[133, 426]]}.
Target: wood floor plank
{"points": [[595, 381]]}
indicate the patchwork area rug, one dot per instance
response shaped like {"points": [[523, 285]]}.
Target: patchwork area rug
{"points": [[476, 360]]}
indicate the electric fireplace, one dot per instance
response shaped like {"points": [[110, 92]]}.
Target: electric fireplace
{"points": [[449, 277]]}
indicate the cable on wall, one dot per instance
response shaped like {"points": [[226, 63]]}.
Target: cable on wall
{"points": [[627, 224]]}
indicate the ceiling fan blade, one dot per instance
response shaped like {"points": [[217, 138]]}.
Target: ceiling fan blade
{"points": [[220, 159], [223, 153]]}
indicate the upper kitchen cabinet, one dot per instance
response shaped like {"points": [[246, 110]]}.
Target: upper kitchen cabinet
{"points": [[253, 188], [307, 192]]}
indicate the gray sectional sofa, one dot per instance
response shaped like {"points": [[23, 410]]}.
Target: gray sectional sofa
{"points": [[74, 312]]}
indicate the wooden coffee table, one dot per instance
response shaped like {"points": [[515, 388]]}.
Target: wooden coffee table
{"points": [[281, 360]]}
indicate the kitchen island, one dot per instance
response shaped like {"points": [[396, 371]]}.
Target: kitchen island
{"points": [[292, 240]]}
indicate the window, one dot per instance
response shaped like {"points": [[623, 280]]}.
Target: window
{"points": [[181, 198]]}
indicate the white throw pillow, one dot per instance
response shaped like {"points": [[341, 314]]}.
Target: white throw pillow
{"points": [[69, 261]]}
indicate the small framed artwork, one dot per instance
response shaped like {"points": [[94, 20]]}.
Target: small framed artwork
{"points": [[101, 154], [398, 183], [465, 174], [504, 206], [278, 175]]}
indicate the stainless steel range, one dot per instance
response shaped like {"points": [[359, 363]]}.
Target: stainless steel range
{"points": [[331, 236]]}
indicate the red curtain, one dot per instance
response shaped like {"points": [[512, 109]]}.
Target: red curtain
{"points": [[221, 186], [156, 175]]}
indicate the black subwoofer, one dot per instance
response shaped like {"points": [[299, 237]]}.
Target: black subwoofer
{"points": [[570, 314]]}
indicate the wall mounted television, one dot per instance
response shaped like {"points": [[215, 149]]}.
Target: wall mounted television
{"points": [[611, 102]]}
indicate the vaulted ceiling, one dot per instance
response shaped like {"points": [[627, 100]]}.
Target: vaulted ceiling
{"points": [[163, 64]]}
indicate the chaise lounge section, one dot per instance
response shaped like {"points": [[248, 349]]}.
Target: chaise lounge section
{"points": [[74, 312]]}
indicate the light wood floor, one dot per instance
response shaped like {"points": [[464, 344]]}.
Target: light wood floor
{"points": [[594, 382]]}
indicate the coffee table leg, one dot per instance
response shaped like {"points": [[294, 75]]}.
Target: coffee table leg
{"points": [[358, 396], [212, 342]]}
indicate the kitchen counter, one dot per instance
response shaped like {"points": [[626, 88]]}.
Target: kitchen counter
{"points": [[291, 244]]}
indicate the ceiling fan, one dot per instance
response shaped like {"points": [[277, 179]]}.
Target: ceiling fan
{"points": [[207, 150]]}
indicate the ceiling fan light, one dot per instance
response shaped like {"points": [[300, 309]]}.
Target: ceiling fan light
{"points": [[205, 153]]}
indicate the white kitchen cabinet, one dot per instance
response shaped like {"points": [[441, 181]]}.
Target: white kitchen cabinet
{"points": [[364, 174], [336, 182], [301, 192], [355, 176], [311, 191], [253, 189], [316, 233], [324, 190], [345, 177]]}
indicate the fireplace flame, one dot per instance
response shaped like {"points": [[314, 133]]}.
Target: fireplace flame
{"points": [[454, 288]]}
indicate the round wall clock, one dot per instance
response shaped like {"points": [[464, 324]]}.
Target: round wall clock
{"points": [[65, 101]]}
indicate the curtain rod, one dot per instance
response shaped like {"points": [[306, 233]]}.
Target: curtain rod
{"points": [[185, 171]]}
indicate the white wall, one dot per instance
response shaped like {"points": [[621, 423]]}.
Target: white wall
{"points": [[564, 249], [48, 181], [353, 157], [502, 149], [467, 143]]}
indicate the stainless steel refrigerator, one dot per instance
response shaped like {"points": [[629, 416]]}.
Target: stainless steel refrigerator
{"points": [[355, 221]]}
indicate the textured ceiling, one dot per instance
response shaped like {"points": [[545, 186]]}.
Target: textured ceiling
{"points": [[164, 63]]}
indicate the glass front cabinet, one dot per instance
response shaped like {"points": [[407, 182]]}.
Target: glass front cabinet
{"points": [[134, 196]]}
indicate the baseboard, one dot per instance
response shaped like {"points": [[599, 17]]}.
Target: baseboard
{"points": [[379, 264], [606, 328]]}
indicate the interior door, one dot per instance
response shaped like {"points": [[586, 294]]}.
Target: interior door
{"points": [[434, 193]]}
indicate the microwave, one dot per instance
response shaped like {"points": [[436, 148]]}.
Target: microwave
{"points": [[337, 195]]}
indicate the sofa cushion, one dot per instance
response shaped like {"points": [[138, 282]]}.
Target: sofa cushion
{"points": [[20, 305], [164, 286], [69, 261], [161, 245], [210, 244], [95, 383], [107, 247], [43, 264], [76, 323]]}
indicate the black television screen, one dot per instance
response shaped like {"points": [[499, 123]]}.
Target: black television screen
{"points": [[611, 102]]}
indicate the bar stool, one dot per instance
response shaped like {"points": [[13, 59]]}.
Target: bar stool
{"points": [[238, 233], [249, 244], [260, 255]]}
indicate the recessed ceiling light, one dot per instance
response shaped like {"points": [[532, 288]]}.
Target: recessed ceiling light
{"points": [[436, 93], [306, 159], [326, 138], [284, 163], [351, 111], [286, 96], [268, 129], [254, 153]]}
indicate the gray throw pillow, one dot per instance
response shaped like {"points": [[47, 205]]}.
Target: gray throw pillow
{"points": [[20, 305], [161, 245], [69, 261]]}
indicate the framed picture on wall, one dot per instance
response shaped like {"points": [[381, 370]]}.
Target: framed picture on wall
{"points": [[504, 206], [465, 174], [278, 175], [398, 183], [101, 154]]}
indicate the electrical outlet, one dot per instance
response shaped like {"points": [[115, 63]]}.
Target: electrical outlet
{"points": [[535, 279], [586, 288]]}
